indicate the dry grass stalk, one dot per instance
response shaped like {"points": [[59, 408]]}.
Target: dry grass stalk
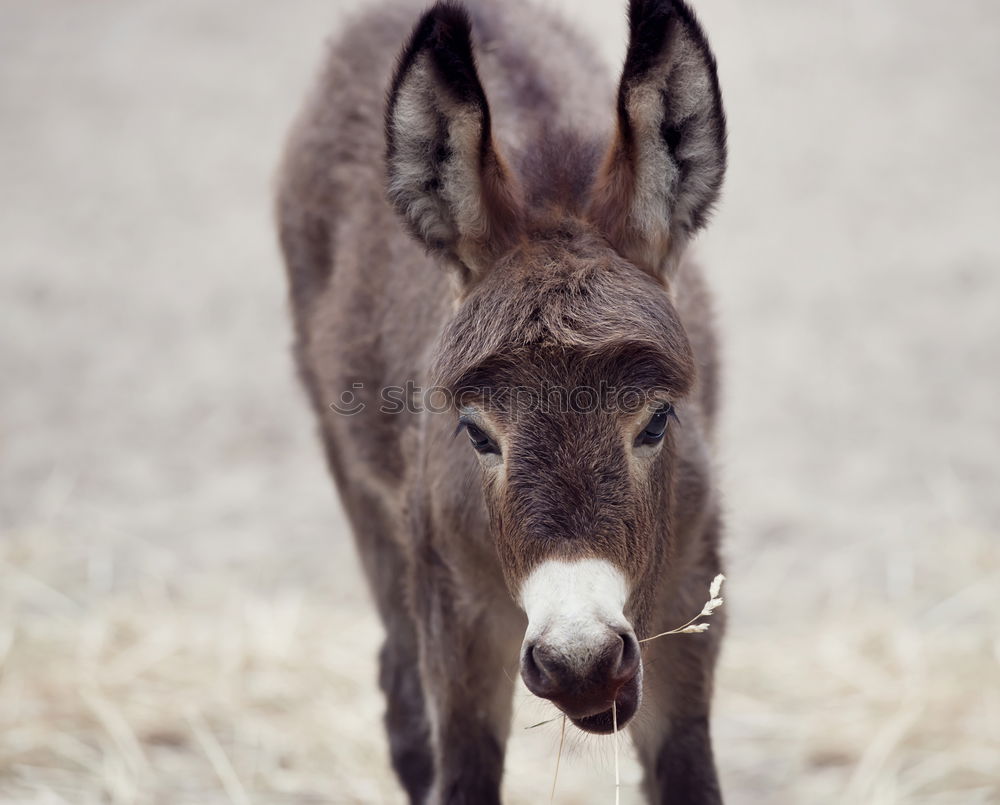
{"points": [[217, 757], [713, 603], [618, 775], [555, 777]]}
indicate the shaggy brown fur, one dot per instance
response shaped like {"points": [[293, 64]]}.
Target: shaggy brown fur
{"points": [[548, 258]]}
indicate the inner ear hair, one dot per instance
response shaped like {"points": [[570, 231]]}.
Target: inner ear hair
{"points": [[663, 172], [445, 177]]}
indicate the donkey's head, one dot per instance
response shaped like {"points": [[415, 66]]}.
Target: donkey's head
{"points": [[566, 355]]}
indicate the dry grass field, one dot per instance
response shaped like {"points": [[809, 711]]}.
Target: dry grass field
{"points": [[181, 617]]}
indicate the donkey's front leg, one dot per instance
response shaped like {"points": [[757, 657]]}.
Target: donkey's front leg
{"points": [[469, 655], [673, 740]]}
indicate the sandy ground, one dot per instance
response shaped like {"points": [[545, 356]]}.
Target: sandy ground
{"points": [[181, 618]]}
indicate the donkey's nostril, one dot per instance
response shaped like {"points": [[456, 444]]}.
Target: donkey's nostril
{"points": [[628, 661], [538, 678]]}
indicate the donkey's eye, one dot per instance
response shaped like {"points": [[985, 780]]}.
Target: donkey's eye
{"points": [[656, 427], [480, 441]]}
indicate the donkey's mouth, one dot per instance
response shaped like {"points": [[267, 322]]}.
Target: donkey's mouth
{"points": [[626, 704]]}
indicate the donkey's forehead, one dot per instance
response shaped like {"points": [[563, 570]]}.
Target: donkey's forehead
{"points": [[571, 300]]}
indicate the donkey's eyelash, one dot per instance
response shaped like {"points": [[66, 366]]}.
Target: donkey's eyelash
{"points": [[482, 442], [672, 414], [463, 423], [656, 426], [665, 406]]}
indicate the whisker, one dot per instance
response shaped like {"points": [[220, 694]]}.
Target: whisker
{"points": [[543, 723]]}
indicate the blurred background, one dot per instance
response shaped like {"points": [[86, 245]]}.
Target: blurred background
{"points": [[182, 618]]}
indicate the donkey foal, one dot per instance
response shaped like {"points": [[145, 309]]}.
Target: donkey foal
{"points": [[540, 264]]}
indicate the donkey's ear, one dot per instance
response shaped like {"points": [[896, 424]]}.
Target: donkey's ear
{"points": [[665, 166], [445, 177]]}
